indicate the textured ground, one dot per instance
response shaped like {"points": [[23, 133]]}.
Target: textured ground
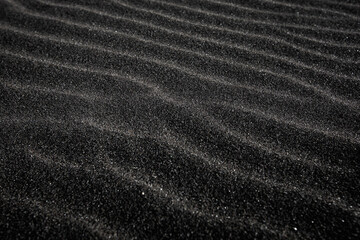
{"points": [[179, 119]]}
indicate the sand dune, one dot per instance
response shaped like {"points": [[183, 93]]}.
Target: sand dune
{"points": [[209, 119]]}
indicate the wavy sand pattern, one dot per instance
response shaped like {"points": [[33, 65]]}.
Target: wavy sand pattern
{"points": [[208, 119]]}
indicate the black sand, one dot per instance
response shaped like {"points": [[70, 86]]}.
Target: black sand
{"points": [[179, 119]]}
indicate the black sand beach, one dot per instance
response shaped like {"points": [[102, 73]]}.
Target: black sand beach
{"points": [[179, 119]]}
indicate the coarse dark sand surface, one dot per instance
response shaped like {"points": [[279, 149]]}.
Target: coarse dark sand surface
{"points": [[179, 119]]}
